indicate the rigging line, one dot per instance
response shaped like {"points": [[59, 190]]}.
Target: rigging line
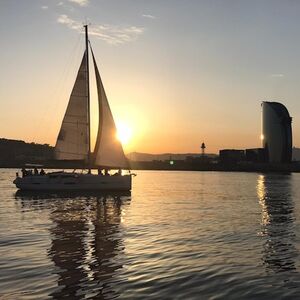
{"points": [[69, 116], [76, 116], [58, 88], [57, 91], [73, 153], [76, 123], [78, 96]]}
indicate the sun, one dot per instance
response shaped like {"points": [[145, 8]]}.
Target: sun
{"points": [[124, 133]]}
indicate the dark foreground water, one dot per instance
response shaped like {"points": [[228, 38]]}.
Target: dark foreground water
{"points": [[179, 235]]}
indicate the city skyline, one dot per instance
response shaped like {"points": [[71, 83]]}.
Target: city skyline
{"points": [[176, 74]]}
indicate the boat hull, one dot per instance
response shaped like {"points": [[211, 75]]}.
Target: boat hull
{"points": [[73, 182]]}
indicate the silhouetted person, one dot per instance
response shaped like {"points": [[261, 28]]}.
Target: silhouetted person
{"points": [[100, 171], [24, 172], [106, 172], [118, 173], [36, 171], [42, 172]]}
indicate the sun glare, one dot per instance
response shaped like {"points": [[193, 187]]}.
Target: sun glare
{"points": [[124, 133]]}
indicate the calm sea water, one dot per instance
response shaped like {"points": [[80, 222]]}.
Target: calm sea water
{"points": [[179, 235]]}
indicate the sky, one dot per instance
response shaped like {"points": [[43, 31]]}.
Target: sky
{"points": [[176, 73]]}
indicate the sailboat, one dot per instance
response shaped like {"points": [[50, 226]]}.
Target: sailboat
{"points": [[74, 142]]}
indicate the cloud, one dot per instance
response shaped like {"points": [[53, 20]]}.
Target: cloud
{"points": [[111, 34], [80, 2], [44, 7], [277, 75], [60, 3], [65, 20], [149, 16]]}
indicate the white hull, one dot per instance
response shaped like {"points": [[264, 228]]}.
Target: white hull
{"points": [[61, 181]]}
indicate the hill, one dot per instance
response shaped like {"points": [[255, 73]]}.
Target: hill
{"points": [[16, 152]]}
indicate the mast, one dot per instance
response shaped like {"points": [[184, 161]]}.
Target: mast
{"points": [[88, 96]]}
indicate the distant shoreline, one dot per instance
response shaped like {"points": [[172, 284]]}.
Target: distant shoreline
{"points": [[16, 154], [179, 166]]}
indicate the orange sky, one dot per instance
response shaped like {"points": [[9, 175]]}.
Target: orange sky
{"points": [[176, 77]]}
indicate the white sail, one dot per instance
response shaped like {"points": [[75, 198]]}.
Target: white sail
{"points": [[72, 141], [108, 150]]}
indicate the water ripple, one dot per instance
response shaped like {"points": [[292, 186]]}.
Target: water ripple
{"points": [[179, 235]]}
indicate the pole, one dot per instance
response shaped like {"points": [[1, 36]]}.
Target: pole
{"points": [[88, 96]]}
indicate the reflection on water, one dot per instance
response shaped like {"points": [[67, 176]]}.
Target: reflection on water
{"points": [[274, 193], [182, 235], [86, 241]]}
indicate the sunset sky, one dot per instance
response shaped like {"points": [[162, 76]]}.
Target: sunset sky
{"points": [[176, 73]]}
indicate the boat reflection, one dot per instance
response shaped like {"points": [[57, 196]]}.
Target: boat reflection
{"points": [[86, 241], [275, 197], [58, 195]]}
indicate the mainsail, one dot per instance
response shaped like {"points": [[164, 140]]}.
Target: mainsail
{"points": [[108, 149], [73, 137]]}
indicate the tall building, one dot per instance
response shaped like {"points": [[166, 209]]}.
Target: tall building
{"points": [[276, 132]]}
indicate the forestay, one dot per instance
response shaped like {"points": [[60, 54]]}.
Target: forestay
{"points": [[72, 141]]}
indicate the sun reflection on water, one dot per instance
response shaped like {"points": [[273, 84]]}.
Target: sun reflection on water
{"points": [[261, 193], [277, 222]]}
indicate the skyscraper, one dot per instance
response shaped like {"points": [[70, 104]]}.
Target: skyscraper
{"points": [[276, 132]]}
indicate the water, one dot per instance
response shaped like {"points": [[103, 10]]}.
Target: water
{"points": [[179, 235]]}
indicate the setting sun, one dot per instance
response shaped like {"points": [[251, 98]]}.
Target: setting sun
{"points": [[124, 133]]}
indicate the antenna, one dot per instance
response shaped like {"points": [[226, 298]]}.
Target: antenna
{"points": [[203, 149], [86, 22]]}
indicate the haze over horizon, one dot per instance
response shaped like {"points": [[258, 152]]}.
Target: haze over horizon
{"points": [[176, 73]]}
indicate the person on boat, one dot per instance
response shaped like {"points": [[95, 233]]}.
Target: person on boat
{"points": [[118, 173], [100, 172], [24, 172], [36, 171], [106, 172], [42, 172]]}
